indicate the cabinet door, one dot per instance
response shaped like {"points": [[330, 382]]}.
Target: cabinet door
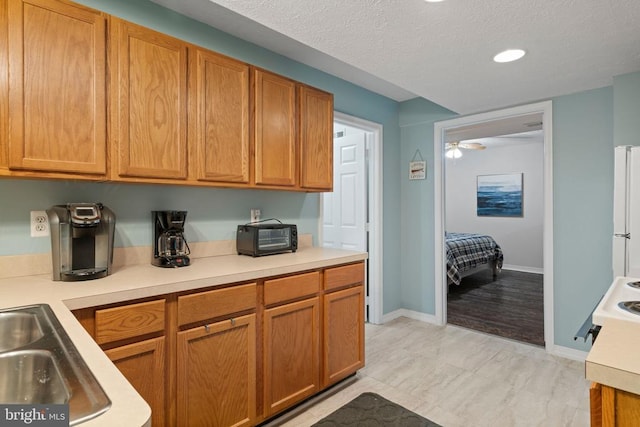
{"points": [[619, 408], [216, 374], [149, 97], [595, 404], [343, 334], [142, 364], [57, 107], [275, 139], [219, 117], [4, 89], [291, 354], [316, 138]]}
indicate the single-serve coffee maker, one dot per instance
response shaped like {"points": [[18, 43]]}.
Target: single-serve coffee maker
{"points": [[81, 241], [170, 248]]}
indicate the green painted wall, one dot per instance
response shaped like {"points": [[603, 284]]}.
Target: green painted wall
{"points": [[583, 207], [626, 107], [417, 117], [583, 183]]}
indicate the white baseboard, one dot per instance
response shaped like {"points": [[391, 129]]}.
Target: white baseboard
{"points": [[567, 353], [416, 315], [555, 350], [523, 268]]}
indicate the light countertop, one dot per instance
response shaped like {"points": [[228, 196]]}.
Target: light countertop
{"points": [[140, 281], [613, 359]]}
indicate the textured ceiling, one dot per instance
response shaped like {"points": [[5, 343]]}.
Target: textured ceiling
{"points": [[443, 51]]}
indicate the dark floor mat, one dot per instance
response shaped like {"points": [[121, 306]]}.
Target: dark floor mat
{"points": [[370, 409]]}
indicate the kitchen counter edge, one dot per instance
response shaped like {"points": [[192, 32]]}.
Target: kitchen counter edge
{"points": [[613, 359]]}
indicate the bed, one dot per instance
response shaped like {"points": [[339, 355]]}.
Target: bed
{"points": [[469, 253]]}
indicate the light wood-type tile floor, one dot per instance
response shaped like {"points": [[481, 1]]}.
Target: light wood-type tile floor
{"points": [[457, 377]]}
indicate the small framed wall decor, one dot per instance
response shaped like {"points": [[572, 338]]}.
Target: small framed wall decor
{"points": [[417, 168]]}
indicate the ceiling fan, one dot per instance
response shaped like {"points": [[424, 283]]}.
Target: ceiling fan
{"points": [[453, 148]]}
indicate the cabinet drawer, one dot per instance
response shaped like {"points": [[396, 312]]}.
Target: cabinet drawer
{"points": [[114, 324], [219, 302], [292, 287], [344, 276]]}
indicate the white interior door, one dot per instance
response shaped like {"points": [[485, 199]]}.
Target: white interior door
{"points": [[368, 152], [345, 209], [621, 181], [633, 243]]}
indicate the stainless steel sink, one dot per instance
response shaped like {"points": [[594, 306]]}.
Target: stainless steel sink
{"points": [[40, 365], [31, 376], [18, 329]]}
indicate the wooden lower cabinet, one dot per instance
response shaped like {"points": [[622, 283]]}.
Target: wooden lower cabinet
{"points": [[343, 326], [133, 337], [216, 374], [239, 354], [143, 365], [613, 407], [291, 354]]}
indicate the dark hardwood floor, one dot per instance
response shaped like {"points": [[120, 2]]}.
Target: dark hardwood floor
{"points": [[510, 306]]}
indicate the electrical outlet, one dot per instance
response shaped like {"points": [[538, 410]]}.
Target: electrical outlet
{"points": [[255, 215], [39, 224]]}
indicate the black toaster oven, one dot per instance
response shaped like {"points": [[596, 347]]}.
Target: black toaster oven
{"points": [[266, 239]]}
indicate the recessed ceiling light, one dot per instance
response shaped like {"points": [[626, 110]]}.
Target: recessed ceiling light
{"points": [[509, 55], [433, 1]]}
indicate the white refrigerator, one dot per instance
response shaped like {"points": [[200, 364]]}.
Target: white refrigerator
{"points": [[626, 212]]}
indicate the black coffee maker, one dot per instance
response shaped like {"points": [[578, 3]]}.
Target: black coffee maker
{"points": [[170, 248]]}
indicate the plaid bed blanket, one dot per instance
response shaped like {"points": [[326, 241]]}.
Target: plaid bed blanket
{"points": [[466, 251]]}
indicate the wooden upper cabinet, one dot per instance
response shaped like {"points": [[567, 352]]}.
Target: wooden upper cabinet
{"points": [[149, 101], [218, 117], [4, 89], [57, 103], [315, 138], [177, 113], [274, 129]]}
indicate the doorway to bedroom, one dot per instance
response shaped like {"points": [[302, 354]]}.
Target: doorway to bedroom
{"points": [[493, 205]]}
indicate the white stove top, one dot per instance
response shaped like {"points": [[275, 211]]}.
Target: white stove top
{"points": [[623, 289]]}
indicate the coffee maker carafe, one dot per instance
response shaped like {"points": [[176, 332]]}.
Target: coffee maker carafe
{"points": [[81, 241], [170, 248]]}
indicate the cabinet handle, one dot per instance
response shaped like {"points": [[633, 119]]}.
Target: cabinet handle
{"points": [[206, 328], [233, 322]]}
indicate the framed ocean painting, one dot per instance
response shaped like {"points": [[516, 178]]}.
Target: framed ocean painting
{"points": [[500, 195]]}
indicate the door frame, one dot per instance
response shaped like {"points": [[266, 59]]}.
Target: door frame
{"points": [[374, 204], [440, 129]]}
